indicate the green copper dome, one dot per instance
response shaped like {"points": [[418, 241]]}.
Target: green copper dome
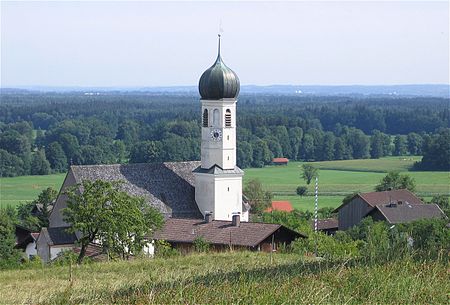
{"points": [[219, 81]]}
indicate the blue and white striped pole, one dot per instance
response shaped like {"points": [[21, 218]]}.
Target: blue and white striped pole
{"points": [[316, 207]]}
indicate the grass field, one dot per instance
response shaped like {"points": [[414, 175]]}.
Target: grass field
{"points": [[336, 179], [344, 177], [26, 188], [229, 278]]}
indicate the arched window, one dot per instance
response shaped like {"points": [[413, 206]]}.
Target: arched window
{"points": [[205, 118], [216, 117], [228, 118]]}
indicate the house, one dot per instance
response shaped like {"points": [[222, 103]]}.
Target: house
{"points": [[26, 241], [283, 206], [224, 235], [328, 225], [54, 240], [189, 191], [354, 210], [403, 212], [280, 161]]}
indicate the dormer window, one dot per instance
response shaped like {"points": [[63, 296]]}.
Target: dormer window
{"points": [[228, 118]]}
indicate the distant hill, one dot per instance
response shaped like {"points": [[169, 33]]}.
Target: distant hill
{"points": [[440, 90]]}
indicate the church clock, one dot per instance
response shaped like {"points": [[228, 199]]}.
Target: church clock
{"points": [[216, 135]]}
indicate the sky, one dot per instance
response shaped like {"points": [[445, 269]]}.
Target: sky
{"points": [[149, 44]]}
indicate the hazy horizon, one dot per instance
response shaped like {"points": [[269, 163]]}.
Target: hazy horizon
{"points": [[167, 44]]}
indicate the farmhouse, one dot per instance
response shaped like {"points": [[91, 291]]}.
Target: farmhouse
{"points": [[224, 235], [26, 241], [186, 193], [394, 206]]}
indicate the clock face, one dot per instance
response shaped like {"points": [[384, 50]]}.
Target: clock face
{"points": [[216, 135]]}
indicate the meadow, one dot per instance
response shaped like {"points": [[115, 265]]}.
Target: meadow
{"points": [[336, 179], [233, 277], [26, 188], [340, 178]]}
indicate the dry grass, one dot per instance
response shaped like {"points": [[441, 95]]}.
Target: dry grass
{"points": [[230, 278]]}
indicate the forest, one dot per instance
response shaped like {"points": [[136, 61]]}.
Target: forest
{"points": [[42, 133]]}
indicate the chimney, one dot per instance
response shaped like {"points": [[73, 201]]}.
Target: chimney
{"points": [[236, 220], [208, 216]]}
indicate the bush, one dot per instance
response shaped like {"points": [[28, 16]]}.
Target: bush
{"points": [[164, 249], [329, 247], [302, 190], [201, 245]]}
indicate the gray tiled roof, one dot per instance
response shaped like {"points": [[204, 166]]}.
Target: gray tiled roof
{"points": [[60, 236], [167, 186], [405, 212], [216, 170], [248, 234]]}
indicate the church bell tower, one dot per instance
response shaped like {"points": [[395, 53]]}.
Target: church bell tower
{"points": [[218, 180]]}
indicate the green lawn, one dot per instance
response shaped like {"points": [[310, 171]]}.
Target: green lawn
{"points": [[342, 180], [306, 203], [26, 188]]}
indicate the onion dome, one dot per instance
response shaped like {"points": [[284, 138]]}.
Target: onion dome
{"points": [[219, 81]]}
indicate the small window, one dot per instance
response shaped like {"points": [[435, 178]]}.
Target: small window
{"points": [[228, 118], [228, 189], [205, 118], [216, 118]]}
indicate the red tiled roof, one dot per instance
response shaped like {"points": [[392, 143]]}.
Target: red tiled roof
{"points": [[376, 198], [280, 160], [284, 206], [248, 234]]}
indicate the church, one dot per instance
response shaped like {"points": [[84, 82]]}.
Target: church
{"points": [[197, 198]]}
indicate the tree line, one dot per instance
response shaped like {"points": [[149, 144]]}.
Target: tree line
{"points": [[45, 133]]}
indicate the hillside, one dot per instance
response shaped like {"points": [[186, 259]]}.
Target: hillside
{"points": [[240, 278]]}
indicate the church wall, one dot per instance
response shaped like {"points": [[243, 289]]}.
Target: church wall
{"points": [[228, 197], [56, 217], [204, 193]]}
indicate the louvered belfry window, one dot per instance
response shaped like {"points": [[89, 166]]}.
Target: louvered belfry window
{"points": [[228, 118], [205, 118]]}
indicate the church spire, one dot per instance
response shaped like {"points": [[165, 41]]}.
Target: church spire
{"points": [[218, 52]]}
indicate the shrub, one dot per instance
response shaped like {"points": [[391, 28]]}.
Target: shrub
{"points": [[328, 247], [164, 249], [302, 190], [201, 245]]}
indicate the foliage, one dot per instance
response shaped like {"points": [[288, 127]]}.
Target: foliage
{"points": [[301, 190], [9, 257], [309, 172], [436, 152], [76, 129], [443, 202], [258, 198], [201, 245], [102, 212], [328, 247], [395, 181], [164, 249], [42, 206], [294, 220]]}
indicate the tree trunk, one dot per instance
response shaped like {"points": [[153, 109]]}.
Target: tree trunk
{"points": [[82, 254]]}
